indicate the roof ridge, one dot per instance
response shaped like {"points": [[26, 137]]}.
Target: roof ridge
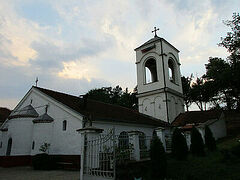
{"points": [[55, 91]]}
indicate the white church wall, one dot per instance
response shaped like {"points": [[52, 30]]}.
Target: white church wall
{"points": [[20, 130], [120, 127], [172, 54], [218, 128], [175, 106], [62, 142], [153, 105], [3, 149], [143, 86]]}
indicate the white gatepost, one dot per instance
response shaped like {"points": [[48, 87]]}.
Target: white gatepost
{"points": [[161, 135], [134, 140], [87, 133]]}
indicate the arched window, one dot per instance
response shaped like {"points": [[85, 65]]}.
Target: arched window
{"points": [[150, 71], [33, 145], [9, 147], [171, 71], [64, 125], [123, 140], [154, 134], [142, 141]]}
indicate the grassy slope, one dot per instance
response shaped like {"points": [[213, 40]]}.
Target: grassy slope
{"points": [[221, 164]]}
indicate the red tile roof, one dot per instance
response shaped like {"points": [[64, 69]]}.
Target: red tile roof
{"points": [[195, 117], [100, 111]]}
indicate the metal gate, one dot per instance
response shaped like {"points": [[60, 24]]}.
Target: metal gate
{"points": [[99, 157]]}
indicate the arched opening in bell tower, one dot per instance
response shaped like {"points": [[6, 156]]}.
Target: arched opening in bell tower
{"points": [[150, 71], [171, 71]]}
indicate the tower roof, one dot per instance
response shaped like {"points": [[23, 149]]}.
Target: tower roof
{"points": [[43, 119], [155, 39], [27, 111]]}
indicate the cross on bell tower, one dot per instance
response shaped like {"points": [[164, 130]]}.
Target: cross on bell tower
{"points": [[155, 31]]}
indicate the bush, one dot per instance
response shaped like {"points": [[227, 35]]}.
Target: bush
{"points": [[43, 162], [209, 139], [197, 146], [158, 163], [236, 150], [179, 145]]}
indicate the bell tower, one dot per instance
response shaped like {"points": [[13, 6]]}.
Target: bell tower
{"points": [[159, 79]]}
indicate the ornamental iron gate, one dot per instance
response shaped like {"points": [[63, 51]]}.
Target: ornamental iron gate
{"points": [[102, 153], [99, 157]]}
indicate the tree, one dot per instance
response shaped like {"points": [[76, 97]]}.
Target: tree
{"points": [[114, 96], [232, 43], [158, 161], [186, 85], [179, 145], [197, 146], [219, 73], [209, 139], [202, 92]]}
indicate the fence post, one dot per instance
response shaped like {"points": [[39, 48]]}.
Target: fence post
{"points": [[87, 134], [161, 135], [134, 140]]}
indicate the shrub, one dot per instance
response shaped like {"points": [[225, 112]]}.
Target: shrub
{"points": [[43, 162], [158, 163], [209, 139], [197, 146], [236, 150], [179, 145]]}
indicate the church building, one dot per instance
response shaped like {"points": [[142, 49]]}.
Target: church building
{"points": [[45, 116]]}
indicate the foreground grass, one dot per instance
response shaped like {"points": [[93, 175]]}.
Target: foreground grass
{"points": [[222, 164]]}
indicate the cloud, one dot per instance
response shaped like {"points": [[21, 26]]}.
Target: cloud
{"points": [[73, 46]]}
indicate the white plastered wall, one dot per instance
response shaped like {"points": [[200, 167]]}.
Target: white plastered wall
{"points": [[62, 142]]}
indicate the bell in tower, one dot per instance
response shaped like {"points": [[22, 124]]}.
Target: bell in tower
{"points": [[159, 79]]}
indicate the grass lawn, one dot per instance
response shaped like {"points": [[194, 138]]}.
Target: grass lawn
{"points": [[222, 164]]}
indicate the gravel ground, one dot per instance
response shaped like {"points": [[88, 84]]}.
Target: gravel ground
{"points": [[27, 173]]}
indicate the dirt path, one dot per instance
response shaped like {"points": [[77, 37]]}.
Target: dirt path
{"points": [[27, 173]]}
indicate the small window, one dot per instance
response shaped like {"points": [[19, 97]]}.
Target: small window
{"points": [[142, 141], [9, 147], [1, 145], [123, 140], [64, 125], [33, 145]]}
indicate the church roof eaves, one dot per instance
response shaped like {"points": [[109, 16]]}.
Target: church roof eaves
{"points": [[196, 117], [100, 111], [154, 40]]}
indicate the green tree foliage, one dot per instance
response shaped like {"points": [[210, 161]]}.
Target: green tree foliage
{"points": [[197, 146], [179, 145], [220, 85], [200, 92], [186, 85], [114, 96], [225, 73], [158, 161], [209, 139]]}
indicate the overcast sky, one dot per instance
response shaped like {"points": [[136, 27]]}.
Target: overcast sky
{"points": [[76, 45]]}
